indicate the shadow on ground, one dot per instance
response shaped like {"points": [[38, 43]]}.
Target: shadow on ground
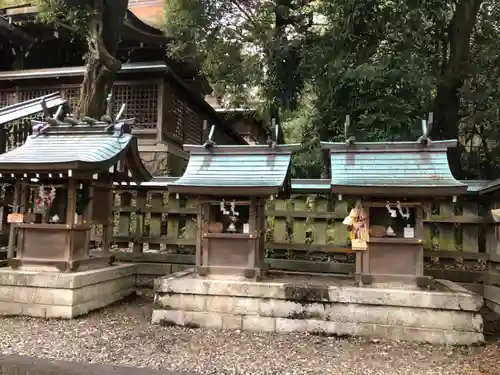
{"points": [[20, 365]]}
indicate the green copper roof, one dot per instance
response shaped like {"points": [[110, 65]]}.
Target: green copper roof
{"points": [[76, 147], [67, 149], [391, 165], [223, 167]]}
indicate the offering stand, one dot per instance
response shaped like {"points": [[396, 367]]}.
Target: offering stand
{"points": [[390, 181], [232, 184]]}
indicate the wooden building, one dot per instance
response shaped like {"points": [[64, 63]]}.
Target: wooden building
{"points": [[245, 122], [165, 97]]}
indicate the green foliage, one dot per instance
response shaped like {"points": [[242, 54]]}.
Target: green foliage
{"points": [[244, 47], [9, 3], [73, 13], [385, 63], [220, 48]]}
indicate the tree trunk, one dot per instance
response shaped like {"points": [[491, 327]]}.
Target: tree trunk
{"points": [[455, 70], [105, 28]]}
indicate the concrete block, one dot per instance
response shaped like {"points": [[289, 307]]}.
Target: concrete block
{"points": [[168, 317], [315, 325], [281, 308], [248, 306], [203, 319], [71, 280], [10, 308], [407, 298], [230, 321], [443, 317], [284, 325], [6, 293], [192, 302], [63, 295], [220, 304], [259, 323], [60, 312], [34, 310]]}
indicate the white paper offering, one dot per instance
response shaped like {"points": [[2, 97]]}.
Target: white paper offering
{"points": [[409, 232]]}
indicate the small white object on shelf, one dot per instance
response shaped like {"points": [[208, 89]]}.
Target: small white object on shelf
{"points": [[409, 232], [390, 232], [246, 228]]}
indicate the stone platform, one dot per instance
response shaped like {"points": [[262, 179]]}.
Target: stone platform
{"points": [[321, 305], [63, 295]]}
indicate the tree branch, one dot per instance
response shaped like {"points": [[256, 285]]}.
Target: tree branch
{"points": [[250, 17]]}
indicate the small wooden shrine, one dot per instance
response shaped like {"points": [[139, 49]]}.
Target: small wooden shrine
{"points": [[63, 178], [387, 184], [232, 184]]}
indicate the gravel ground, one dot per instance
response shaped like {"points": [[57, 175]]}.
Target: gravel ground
{"points": [[122, 335]]}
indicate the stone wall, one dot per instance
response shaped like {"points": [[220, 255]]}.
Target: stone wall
{"points": [[449, 315]]}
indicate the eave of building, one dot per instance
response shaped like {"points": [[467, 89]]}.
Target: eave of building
{"points": [[134, 29], [152, 67]]}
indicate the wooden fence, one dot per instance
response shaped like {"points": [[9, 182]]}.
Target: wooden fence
{"points": [[304, 233]]}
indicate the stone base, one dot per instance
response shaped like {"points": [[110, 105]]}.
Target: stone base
{"points": [[322, 305], [54, 265], [63, 295], [492, 298]]}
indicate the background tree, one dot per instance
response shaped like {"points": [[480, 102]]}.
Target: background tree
{"points": [[246, 48], [388, 64], [100, 22], [385, 63]]}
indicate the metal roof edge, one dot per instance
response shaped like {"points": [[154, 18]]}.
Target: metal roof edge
{"points": [[155, 182], [310, 185], [239, 149], [409, 146], [490, 187]]}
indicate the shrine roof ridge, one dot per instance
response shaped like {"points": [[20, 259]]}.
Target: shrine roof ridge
{"points": [[63, 128], [405, 146], [240, 149], [30, 107]]}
